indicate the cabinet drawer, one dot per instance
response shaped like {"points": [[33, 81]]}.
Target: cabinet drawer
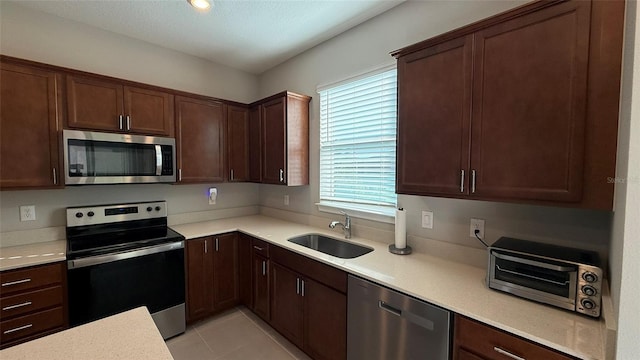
{"points": [[31, 278], [31, 301], [490, 343], [313, 269], [31, 324], [260, 247]]}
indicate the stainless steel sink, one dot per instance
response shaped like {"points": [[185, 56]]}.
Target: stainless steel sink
{"points": [[331, 246]]}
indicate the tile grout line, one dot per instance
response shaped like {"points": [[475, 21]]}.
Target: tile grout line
{"points": [[205, 343], [269, 335]]}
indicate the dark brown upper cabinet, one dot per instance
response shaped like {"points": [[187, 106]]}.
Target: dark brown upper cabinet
{"points": [[200, 140], [238, 143], [284, 128], [96, 103], [30, 118], [512, 108], [255, 144]]}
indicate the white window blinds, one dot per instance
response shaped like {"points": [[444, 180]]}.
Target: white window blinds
{"points": [[358, 141]]}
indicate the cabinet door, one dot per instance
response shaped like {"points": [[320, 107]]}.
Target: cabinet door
{"points": [[29, 123], [245, 270], [286, 303], [148, 112], [462, 354], [274, 135], [255, 147], [225, 271], [325, 321], [94, 104], [200, 133], [529, 101], [434, 99], [261, 286], [199, 278], [238, 143]]}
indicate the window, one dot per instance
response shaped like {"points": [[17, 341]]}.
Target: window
{"points": [[358, 143]]}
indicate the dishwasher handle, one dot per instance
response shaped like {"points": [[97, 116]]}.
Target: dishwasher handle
{"points": [[407, 315]]}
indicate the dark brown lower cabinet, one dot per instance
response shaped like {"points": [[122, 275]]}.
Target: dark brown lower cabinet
{"points": [[261, 270], [325, 327]]}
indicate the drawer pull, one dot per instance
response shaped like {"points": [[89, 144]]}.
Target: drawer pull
{"points": [[258, 248], [16, 282], [506, 353], [18, 329], [26, 303]]}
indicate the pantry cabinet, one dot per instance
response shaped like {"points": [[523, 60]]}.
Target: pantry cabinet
{"points": [[30, 118], [102, 104], [503, 109], [212, 275], [200, 140]]}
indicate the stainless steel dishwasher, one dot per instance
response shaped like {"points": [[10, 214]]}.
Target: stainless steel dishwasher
{"points": [[385, 324]]}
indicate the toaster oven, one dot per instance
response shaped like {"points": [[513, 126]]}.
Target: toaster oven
{"points": [[560, 276]]}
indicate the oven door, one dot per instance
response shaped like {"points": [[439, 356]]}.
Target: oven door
{"points": [[105, 285], [104, 158], [540, 280]]}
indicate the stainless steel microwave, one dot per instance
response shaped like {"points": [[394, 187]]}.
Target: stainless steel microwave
{"points": [[560, 276], [110, 158]]}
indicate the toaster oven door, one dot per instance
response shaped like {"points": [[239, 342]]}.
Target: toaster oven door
{"points": [[542, 280]]}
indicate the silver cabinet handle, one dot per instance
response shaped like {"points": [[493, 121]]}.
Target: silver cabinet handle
{"points": [[217, 244], [297, 285], [18, 329], [281, 175], [26, 303], [506, 353], [264, 268], [128, 122], [120, 122], [302, 287], [205, 246], [179, 174], [258, 248], [473, 181], [55, 177], [17, 282], [231, 176], [461, 181]]}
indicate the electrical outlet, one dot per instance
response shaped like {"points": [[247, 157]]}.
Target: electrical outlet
{"points": [[427, 219], [286, 200], [27, 213], [476, 224], [213, 195]]}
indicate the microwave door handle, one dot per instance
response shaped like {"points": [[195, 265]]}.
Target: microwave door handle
{"points": [[158, 160], [561, 283], [534, 263]]}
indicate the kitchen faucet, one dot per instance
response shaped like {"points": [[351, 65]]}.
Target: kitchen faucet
{"points": [[346, 226]]}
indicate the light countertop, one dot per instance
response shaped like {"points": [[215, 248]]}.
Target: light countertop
{"points": [[128, 335], [457, 287], [454, 286]]}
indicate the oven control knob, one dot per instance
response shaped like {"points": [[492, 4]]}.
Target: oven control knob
{"points": [[79, 215], [588, 290], [590, 277], [90, 213], [157, 208], [149, 208], [588, 304]]}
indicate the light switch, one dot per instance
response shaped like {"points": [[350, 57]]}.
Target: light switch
{"points": [[427, 219], [27, 213]]}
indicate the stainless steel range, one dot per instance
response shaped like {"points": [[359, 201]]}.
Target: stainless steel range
{"points": [[123, 256]]}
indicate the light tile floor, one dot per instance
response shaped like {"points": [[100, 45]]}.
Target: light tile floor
{"points": [[235, 334]]}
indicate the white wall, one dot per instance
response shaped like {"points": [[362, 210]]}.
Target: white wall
{"points": [[625, 247], [367, 46], [37, 36]]}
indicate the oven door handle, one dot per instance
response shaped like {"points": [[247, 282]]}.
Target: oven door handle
{"points": [[534, 263], [102, 259]]}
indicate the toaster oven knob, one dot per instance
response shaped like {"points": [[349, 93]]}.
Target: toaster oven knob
{"points": [[79, 214], [587, 304], [588, 290], [157, 208], [149, 208], [90, 213], [590, 277]]}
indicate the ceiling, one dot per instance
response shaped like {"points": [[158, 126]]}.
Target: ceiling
{"points": [[250, 35]]}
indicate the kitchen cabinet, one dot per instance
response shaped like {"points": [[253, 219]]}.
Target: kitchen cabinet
{"points": [[308, 301], [33, 303], [284, 147], [477, 341], [503, 109], [238, 143], [30, 118], [255, 144], [200, 140], [261, 269], [98, 103], [245, 270], [212, 275]]}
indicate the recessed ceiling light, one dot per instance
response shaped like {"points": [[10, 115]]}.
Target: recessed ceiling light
{"points": [[202, 5]]}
